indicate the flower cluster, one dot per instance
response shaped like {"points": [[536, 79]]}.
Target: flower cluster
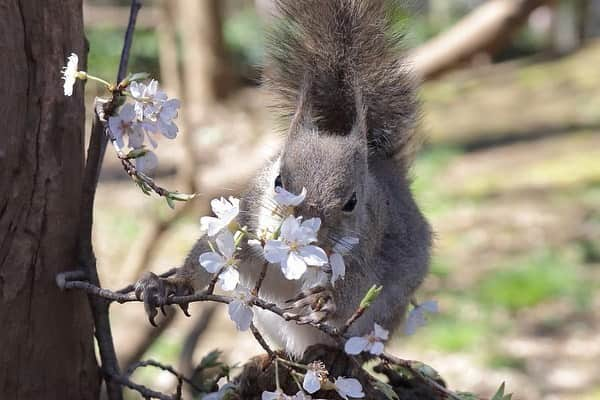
{"points": [[292, 246], [315, 379], [294, 249], [150, 114]]}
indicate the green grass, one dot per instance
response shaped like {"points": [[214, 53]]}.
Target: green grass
{"points": [[451, 334], [505, 361], [429, 194], [536, 279]]}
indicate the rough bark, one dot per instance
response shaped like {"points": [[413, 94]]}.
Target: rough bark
{"points": [[46, 335]]}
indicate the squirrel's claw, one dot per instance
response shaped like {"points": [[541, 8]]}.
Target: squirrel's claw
{"points": [[155, 291], [311, 306]]}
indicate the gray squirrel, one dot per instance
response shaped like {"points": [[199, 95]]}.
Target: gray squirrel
{"points": [[348, 105]]}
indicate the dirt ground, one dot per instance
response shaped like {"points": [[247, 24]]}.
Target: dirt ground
{"points": [[510, 180]]}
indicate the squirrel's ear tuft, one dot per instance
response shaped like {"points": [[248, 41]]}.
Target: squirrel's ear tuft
{"points": [[303, 118], [360, 117]]}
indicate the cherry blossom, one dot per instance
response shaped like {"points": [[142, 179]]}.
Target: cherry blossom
{"points": [[373, 342], [225, 210], [223, 261], [315, 375], [293, 250], [125, 124], [276, 395], [70, 74], [349, 387], [147, 163], [417, 316], [240, 310], [285, 198], [336, 259], [154, 109]]}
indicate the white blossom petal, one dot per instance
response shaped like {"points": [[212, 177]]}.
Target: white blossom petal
{"points": [[311, 382], [431, 306], [293, 267], [211, 225], [226, 244], [286, 198], [276, 251], [69, 74], [211, 261], [147, 163], [240, 313], [168, 129], [114, 124], [338, 267], [229, 279], [349, 387], [380, 332], [127, 113], [417, 318], [356, 345], [313, 255], [313, 224], [376, 348], [136, 136], [289, 227]]}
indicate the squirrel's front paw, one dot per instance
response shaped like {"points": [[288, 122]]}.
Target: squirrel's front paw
{"points": [[155, 291], [314, 305]]}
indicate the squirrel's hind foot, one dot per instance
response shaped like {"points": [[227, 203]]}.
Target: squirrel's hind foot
{"points": [[155, 291], [311, 306]]}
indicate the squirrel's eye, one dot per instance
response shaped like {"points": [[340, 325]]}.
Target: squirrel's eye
{"points": [[350, 204], [278, 181]]}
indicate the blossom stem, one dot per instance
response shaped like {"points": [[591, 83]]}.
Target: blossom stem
{"points": [[95, 78], [277, 374], [293, 364]]}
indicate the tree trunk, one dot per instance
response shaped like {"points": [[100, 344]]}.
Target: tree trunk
{"points": [[46, 335]]}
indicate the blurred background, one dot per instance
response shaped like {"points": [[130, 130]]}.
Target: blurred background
{"points": [[509, 176]]}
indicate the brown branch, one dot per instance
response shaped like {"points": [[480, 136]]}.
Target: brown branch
{"points": [[168, 368], [357, 314], [261, 278], [146, 392], [257, 302], [261, 340]]}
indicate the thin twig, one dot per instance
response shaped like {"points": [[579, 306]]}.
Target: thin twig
{"points": [[257, 302], [261, 340], [123, 63], [261, 278], [168, 368], [357, 314], [146, 392]]}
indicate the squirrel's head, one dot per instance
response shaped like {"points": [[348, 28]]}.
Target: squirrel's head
{"points": [[332, 166]]}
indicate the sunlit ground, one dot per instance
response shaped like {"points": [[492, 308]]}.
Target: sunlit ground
{"points": [[510, 180]]}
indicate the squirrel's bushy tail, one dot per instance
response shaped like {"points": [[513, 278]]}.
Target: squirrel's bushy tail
{"points": [[342, 46]]}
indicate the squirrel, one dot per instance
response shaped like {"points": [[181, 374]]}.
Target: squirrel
{"points": [[347, 99]]}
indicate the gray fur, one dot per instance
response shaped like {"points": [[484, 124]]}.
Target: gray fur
{"points": [[350, 112]]}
